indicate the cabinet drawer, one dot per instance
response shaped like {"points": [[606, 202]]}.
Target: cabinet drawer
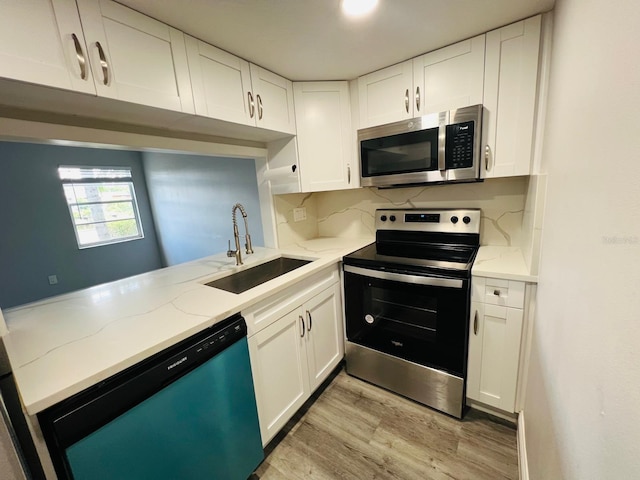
{"points": [[494, 291]]}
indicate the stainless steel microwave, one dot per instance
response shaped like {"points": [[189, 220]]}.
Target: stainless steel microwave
{"points": [[437, 148]]}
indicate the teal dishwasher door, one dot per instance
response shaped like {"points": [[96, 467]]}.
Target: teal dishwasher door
{"points": [[204, 425]]}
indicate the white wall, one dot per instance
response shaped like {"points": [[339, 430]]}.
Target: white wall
{"points": [[582, 408], [192, 197]]}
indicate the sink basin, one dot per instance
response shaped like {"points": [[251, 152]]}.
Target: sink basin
{"points": [[254, 276]]}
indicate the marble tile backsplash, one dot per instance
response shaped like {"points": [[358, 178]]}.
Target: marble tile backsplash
{"points": [[289, 231], [350, 213]]}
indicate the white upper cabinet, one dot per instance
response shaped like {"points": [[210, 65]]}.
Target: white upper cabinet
{"points": [[385, 96], [325, 136], [221, 83], [41, 42], [136, 58], [445, 79], [229, 88], [273, 97], [510, 95], [449, 78]]}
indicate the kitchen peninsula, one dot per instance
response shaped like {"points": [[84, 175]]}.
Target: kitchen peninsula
{"points": [[62, 345]]}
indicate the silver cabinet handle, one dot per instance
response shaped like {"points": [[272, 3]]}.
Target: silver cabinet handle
{"points": [[310, 321], [487, 154], [302, 320], [418, 98], [252, 106], [496, 293], [349, 174], [260, 109], [80, 56], [406, 100], [475, 324], [103, 64]]}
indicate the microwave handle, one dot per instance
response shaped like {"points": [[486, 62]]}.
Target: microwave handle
{"points": [[405, 278], [487, 156], [443, 120]]}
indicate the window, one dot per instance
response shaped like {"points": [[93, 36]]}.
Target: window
{"points": [[102, 204]]}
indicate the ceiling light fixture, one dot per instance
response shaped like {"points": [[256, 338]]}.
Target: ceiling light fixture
{"points": [[358, 8]]}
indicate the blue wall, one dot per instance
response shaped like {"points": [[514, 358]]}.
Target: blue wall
{"points": [[192, 196], [37, 237]]}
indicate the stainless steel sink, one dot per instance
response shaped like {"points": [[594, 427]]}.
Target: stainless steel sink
{"points": [[254, 276]]}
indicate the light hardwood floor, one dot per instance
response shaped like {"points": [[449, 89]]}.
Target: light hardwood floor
{"points": [[355, 430]]}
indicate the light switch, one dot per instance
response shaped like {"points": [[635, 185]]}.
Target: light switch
{"points": [[53, 279]]}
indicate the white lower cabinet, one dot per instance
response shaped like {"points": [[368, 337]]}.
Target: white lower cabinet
{"points": [[280, 376], [324, 337], [495, 342], [293, 352]]}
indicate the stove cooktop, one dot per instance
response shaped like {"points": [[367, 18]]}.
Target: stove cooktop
{"points": [[429, 242]]}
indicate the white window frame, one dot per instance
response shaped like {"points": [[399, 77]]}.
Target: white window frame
{"points": [[89, 175]]}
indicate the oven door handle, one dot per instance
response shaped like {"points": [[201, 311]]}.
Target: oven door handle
{"points": [[405, 278]]}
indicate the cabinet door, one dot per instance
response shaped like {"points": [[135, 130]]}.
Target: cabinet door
{"points": [[280, 375], [511, 80], [494, 354], [451, 77], [385, 96], [221, 83], [325, 137], [325, 345], [136, 58], [41, 42], [273, 96]]}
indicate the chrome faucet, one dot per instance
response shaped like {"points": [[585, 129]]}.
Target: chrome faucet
{"points": [[236, 235]]}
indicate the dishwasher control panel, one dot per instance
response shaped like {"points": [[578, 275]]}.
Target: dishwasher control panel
{"points": [[208, 347]]}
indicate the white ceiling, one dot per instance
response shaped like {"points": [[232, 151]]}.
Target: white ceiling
{"points": [[311, 40]]}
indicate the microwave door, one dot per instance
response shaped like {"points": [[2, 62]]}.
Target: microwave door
{"points": [[410, 157]]}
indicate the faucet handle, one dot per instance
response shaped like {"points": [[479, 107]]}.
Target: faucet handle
{"points": [[230, 253], [248, 245]]}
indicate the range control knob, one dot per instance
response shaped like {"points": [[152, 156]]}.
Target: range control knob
{"points": [[466, 220], [454, 219], [392, 218], [383, 218]]}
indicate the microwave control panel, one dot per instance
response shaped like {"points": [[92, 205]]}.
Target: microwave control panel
{"points": [[459, 145]]}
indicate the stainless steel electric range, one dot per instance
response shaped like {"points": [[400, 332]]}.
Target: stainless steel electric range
{"points": [[407, 302]]}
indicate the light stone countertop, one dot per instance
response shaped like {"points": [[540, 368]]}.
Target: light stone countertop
{"points": [[62, 345], [502, 262]]}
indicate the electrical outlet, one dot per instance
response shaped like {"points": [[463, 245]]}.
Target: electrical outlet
{"points": [[299, 214], [53, 279]]}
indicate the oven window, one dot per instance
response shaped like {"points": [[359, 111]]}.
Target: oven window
{"points": [[403, 153], [403, 313], [422, 324]]}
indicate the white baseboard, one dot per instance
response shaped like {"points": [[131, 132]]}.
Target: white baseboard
{"points": [[523, 465]]}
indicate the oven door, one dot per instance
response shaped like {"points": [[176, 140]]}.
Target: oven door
{"points": [[421, 319]]}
